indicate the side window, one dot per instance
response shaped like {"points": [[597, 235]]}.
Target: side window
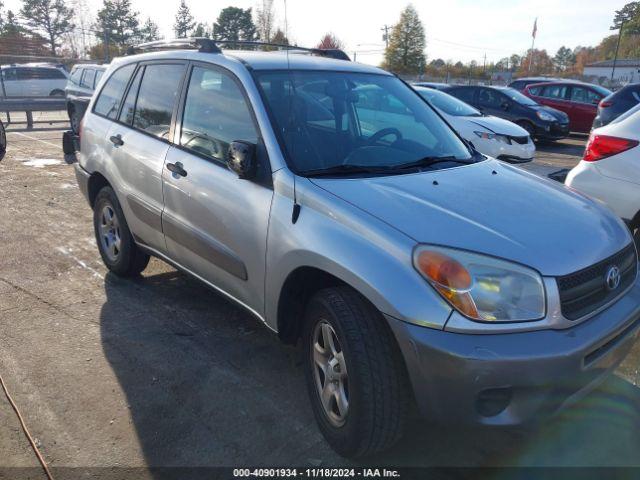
{"points": [[156, 98], [88, 78], [52, 74], [99, 74], [108, 102], [76, 73], [557, 92], [215, 114], [464, 94], [129, 105], [584, 95], [535, 90], [9, 74], [489, 98]]}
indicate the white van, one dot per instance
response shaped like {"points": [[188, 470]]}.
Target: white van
{"points": [[32, 81]]}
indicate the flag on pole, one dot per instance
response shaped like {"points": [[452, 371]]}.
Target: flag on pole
{"points": [[535, 28]]}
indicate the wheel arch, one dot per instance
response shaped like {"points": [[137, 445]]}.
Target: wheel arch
{"points": [[96, 182]]}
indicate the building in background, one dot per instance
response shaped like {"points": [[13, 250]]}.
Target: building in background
{"points": [[627, 71]]}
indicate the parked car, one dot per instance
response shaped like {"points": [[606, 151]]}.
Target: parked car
{"points": [[434, 85], [578, 100], [609, 170], [490, 135], [32, 80], [82, 82], [520, 83], [408, 266], [539, 121], [614, 105]]}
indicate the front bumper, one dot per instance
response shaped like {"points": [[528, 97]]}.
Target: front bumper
{"points": [[514, 378], [553, 131], [514, 153]]}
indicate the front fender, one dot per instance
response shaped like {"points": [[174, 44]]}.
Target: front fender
{"points": [[357, 248]]}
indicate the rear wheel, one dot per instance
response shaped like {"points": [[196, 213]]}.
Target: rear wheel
{"points": [[117, 248], [355, 373]]}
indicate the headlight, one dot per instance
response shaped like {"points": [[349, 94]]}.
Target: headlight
{"points": [[494, 136], [481, 287], [545, 116]]}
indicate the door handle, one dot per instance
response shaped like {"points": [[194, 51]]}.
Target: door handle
{"points": [[117, 140], [177, 168]]}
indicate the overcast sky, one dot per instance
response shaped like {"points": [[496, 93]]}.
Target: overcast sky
{"points": [[456, 29]]}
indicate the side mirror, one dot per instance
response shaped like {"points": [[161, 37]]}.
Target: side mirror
{"points": [[504, 106], [241, 159]]}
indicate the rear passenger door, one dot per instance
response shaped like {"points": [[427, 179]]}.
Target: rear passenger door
{"points": [[215, 224], [139, 140], [584, 105]]}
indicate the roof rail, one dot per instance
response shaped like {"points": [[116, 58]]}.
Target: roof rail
{"points": [[208, 45]]}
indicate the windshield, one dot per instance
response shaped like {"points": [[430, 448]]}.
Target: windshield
{"points": [[329, 120], [605, 92], [518, 97], [448, 104]]}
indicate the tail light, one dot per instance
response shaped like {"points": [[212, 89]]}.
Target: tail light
{"points": [[605, 103], [603, 146]]}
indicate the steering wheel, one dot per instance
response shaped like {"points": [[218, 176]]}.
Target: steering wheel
{"points": [[373, 139]]}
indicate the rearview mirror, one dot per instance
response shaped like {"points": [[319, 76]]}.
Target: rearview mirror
{"points": [[241, 159]]}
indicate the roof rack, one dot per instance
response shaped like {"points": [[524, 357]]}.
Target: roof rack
{"points": [[208, 45]]}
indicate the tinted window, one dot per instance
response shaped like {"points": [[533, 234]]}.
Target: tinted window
{"points": [[39, 74], [584, 95], [215, 114], [490, 98], [128, 107], [464, 94], [535, 90], [109, 100], [9, 74], [519, 85], [448, 104], [156, 98], [517, 97], [332, 119], [558, 92], [88, 78]]}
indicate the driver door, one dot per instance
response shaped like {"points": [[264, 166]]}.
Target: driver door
{"points": [[214, 223]]}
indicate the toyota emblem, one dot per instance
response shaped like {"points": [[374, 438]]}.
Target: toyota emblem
{"points": [[612, 279]]}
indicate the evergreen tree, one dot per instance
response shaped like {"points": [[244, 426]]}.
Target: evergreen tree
{"points": [[630, 16], [564, 58], [149, 31], [120, 22], [234, 23], [202, 30], [280, 38], [51, 18], [184, 23], [405, 53]]}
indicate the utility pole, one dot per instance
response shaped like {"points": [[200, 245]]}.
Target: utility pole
{"points": [[615, 58], [385, 36]]}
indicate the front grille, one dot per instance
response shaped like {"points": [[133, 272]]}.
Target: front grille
{"points": [[585, 291], [521, 140]]}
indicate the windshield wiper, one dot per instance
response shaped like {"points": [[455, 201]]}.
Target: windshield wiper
{"points": [[345, 169], [428, 161]]}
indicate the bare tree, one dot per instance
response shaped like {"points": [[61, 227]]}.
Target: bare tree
{"points": [[265, 20], [52, 18]]}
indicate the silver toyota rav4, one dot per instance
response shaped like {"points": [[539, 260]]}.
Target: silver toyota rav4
{"points": [[336, 205]]}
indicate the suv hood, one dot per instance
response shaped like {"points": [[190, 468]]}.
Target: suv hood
{"points": [[510, 214]]}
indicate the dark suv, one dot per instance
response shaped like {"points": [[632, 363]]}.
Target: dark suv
{"points": [[541, 122], [79, 90], [614, 105]]}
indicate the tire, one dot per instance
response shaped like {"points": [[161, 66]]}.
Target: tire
{"points": [[117, 248], [375, 382], [528, 126]]}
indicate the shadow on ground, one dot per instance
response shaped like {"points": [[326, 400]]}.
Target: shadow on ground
{"points": [[207, 385]]}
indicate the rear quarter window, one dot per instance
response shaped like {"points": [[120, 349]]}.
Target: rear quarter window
{"points": [[108, 101]]}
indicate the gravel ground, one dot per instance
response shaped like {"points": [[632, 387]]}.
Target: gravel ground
{"points": [[161, 371]]}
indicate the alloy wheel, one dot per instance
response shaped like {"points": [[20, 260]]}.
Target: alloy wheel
{"points": [[330, 373], [110, 233]]}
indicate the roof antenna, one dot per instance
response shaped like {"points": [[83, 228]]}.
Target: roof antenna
{"points": [[295, 213]]}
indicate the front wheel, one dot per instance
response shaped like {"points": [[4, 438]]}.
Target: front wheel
{"points": [[355, 373], [119, 251], [528, 127]]}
